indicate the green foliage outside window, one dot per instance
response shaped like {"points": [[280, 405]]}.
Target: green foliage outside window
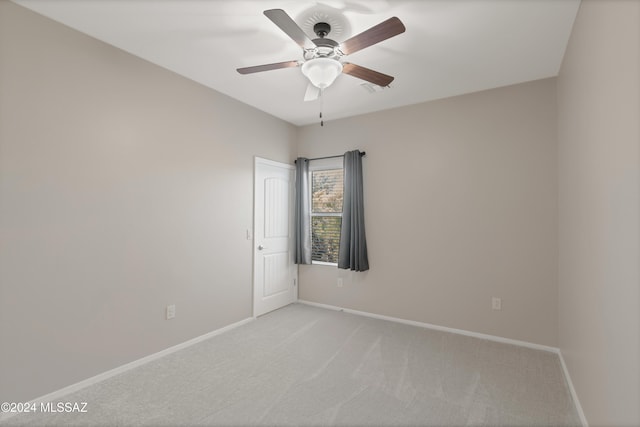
{"points": [[326, 211]]}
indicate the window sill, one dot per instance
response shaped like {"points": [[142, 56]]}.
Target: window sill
{"points": [[328, 264]]}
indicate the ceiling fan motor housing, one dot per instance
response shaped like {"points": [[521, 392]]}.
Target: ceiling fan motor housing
{"points": [[325, 47]]}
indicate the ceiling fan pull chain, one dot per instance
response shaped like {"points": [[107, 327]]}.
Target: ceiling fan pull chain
{"points": [[321, 106]]}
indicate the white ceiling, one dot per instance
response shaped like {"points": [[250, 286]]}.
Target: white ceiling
{"points": [[451, 47]]}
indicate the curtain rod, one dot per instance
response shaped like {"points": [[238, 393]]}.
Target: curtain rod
{"points": [[362, 154]]}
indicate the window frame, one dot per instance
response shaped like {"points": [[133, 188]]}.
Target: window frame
{"points": [[323, 165]]}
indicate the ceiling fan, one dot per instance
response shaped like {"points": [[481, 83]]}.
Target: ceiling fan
{"points": [[321, 63]]}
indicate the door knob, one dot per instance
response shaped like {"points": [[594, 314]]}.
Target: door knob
{"points": [[260, 247]]}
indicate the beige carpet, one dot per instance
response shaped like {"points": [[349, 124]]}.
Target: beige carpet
{"points": [[303, 366]]}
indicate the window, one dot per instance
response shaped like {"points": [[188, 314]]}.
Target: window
{"points": [[326, 210]]}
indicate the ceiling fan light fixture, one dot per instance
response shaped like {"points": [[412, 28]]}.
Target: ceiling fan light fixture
{"points": [[322, 72]]}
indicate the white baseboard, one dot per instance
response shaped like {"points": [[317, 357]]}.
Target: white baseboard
{"points": [[436, 327], [503, 340], [126, 367], [574, 395]]}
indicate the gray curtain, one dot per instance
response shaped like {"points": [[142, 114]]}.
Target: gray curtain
{"points": [[353, 242], [302, 213]]}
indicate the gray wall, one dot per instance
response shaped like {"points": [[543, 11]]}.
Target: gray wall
{"points": [[460, 199], [123, 188], [599, 205]]}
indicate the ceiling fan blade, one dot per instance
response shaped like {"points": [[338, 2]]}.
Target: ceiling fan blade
{"points": [[384, 30], [312, 93], [366, 74], [288, 25], [267, 67]]}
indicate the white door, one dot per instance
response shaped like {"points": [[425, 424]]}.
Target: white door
{"points": [[274, 270]]}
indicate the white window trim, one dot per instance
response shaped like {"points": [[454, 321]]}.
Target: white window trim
{"points": [[328, 264], [321, 165]]}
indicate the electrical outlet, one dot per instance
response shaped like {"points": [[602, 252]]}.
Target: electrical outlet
{"points": [[171, 311], [340, 282], [496, 303]]}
